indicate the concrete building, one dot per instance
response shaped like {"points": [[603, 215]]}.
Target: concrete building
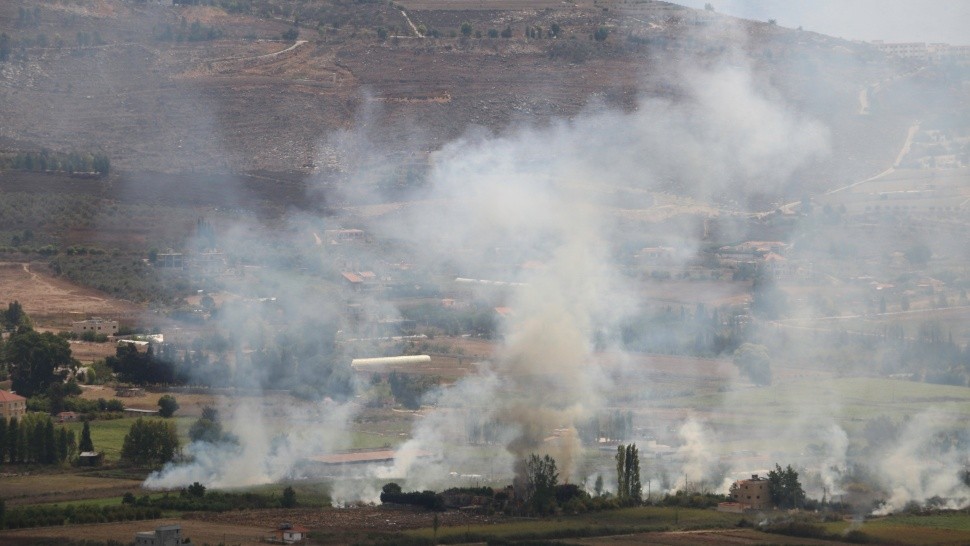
{"points": [[166, 535], [96, 325], [753, 494], [12, 405], [170, 260]]}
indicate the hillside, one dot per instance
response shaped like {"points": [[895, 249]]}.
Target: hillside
{"points": [[193, 89]]}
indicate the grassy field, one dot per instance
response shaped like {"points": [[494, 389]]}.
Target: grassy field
{"points": [[51, 487], [109, 435], [611, 522], [949, 528], [844, 398]]}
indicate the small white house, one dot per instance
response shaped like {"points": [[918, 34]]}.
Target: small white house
{"points": [[95, 325]]}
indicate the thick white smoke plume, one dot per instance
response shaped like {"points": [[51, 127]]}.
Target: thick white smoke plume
{"points": [[924, 464], [535, 195], [541, 195]]}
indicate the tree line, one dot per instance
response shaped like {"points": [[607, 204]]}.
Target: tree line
{"points": [[34, 440], [49, 161]]}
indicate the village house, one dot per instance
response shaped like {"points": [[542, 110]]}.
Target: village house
{"points": [[96, 325], [287, 533], [751, 494], [166, 535], [12, 405]]}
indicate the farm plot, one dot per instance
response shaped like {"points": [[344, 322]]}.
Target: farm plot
{"points": [[45, 297]]}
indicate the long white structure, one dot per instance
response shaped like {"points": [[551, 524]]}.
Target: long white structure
{"points": [[390, 361]]}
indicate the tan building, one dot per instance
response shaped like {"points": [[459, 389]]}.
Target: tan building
{"points": [[12, 405], [95, 325], [753, 494]]}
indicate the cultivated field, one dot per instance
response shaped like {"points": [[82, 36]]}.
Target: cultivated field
{"points": [[51, 301]]}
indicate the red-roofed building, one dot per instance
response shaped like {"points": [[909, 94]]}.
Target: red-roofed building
{"points": [[12, 405]]}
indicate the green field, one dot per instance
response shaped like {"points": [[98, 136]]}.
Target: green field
{"points": [[944, 528], [109, 435], [608, 522], [843, 398]]}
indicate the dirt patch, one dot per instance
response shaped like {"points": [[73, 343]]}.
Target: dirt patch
{"points": [[53, 301], [199, 532]]}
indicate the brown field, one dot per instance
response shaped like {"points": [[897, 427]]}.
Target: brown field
{"points": [[31, 488], [740, 537], [200, 532], [52, 301]]}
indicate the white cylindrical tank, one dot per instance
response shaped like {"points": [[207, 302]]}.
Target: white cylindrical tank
{"points": [[390, 361]]}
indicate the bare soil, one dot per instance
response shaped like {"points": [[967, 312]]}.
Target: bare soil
{"points": [[49, 300]]}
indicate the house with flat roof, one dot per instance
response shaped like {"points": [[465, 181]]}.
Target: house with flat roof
{"points": [[166, 535]]}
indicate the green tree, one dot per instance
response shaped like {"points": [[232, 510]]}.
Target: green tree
{"points": [[918, 254], [3, 440], [541, 480], [753, 362], [14, 317], [167, 406], [621, 486], [50, 443], [37, 360], [466, 29], [289, 498], [601, 34], [507, 32], [196, 490], [13, 440], [628, 487], [4, 46], [86, 444], [786, 490], [150, 443], [63, 448]]}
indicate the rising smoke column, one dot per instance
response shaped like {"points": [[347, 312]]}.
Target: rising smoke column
{"points": [[532, 193]]}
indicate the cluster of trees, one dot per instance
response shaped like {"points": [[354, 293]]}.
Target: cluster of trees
{"points": [[34, 440], [185, 32], [786, 490], [617, 425], [754, 363], [150, 443], [121, 275], [36, 360], [409, 389], [195, 498], [672, 330], [44, 516], [14, 318], [208, 428], [629, 490], [478, 320], [6, 46], [49, 161], [27, 17], [392, 493]]}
